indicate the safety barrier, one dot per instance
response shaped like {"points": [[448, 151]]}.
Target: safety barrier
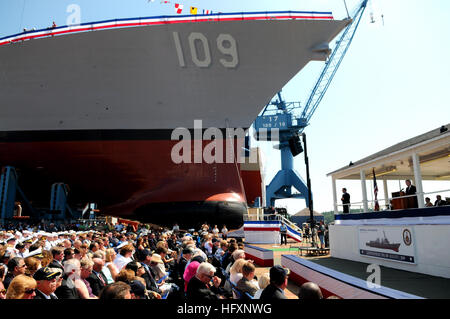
{"points": [[268, 232], [262, 257]]}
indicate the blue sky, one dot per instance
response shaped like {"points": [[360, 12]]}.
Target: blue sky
{"points": [[392, 85]]}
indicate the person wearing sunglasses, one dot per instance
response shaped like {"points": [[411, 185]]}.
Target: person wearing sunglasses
{"points": [[21, 287], [204, 285]]}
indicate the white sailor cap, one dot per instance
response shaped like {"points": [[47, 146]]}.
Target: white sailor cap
{"points": [[122, 244], [35, 253]]}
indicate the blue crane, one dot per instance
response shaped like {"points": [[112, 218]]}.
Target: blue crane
{"points": [[280, 117]]}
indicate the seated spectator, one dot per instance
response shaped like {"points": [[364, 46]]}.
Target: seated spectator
{"points": [[126, 275], [5, 255], [16, 266], [439, 201], [278, 283], [2, 290], [97, 280], [236, 255], [191, 270], [157, 265], [201, 253], [310, 291], [47, 258], [21, 287], [57, 258], [20, 247], [144, 256], [247, 283], [236, 270], [67, 289], [221, 250], [428, 202], [77, 253], [110, 267], [136, 267], [163, 251], [182, 263], [83, 286], [117, 290], [263, 282], [33, 264], [208, 245], [199, 289], [59, 278], [138, 290], [124, 256], [68, 254], [46, 283]]}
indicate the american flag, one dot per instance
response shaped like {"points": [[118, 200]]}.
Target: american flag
{"points": [[375, 191]]}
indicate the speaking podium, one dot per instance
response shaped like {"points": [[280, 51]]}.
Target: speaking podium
{"points": [[403, 202]]}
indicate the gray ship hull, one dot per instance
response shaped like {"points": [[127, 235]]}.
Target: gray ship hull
{"points": [[132, 78]]}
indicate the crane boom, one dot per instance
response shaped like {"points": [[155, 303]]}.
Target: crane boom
{"points": [[333, 63], [279, 115]]}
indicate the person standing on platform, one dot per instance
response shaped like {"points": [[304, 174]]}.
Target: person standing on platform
{"points": [[411, 190], [321, 234], [283, 233], [345, 201]]}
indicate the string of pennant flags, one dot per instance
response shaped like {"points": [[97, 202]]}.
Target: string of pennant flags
{"points": [[180, 7]]}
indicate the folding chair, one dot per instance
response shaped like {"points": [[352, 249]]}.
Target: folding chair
{"points": [[236, 293]]}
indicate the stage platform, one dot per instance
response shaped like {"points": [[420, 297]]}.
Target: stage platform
{"points": [[422, 285]]}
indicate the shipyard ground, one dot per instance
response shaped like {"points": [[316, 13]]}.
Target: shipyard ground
{"points": [[425, 286]]}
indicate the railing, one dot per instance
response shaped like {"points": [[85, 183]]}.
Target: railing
{"points": [[273, 217], [387, 202], [160, 20]]}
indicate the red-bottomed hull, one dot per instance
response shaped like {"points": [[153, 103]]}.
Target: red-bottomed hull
{"points": [[135, 179], [252, 182]]}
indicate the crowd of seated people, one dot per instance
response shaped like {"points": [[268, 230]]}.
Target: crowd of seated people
{"points": [[135, 263]]}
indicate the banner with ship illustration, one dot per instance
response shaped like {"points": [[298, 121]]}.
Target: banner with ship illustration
{"points": [[394, 243]]}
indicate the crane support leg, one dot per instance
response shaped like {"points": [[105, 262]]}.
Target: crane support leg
{"points": [[8, 182], [281, 184], [9, 188]]}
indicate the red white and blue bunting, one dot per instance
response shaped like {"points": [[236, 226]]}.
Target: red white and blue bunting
{"points": [[160, 20]]}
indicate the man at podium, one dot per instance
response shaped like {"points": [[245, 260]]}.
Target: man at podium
{"points": [[411, 190]]}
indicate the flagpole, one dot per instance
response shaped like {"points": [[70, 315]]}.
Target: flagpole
{"points": [[373, 203]]}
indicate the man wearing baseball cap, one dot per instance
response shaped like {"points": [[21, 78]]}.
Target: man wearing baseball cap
{"points": [[46, 283], [278, 282]]}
